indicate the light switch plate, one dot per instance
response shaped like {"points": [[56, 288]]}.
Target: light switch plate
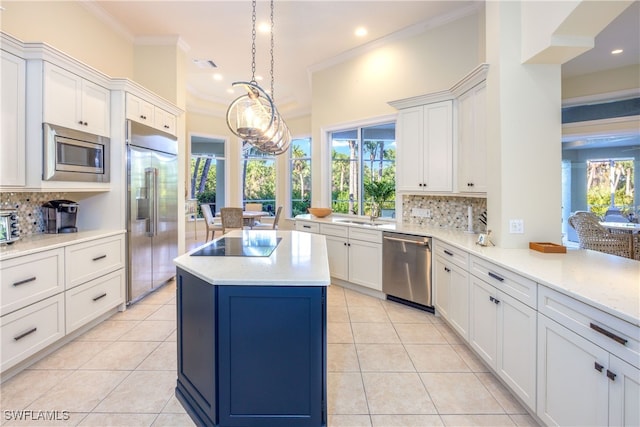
{"points": [[516, 226], [421, 212]]}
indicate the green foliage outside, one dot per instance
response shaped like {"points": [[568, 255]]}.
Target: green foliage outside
{"points": [[610, 184]]}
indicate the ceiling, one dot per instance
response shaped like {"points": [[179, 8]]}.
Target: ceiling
{"points": [[309, 35]]}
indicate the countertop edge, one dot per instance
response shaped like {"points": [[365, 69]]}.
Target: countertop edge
{"points": [[43, 242]]}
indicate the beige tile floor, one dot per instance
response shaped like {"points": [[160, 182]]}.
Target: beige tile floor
{"points": [[388, 365]]}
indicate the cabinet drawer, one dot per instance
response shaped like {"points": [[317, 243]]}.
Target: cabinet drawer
{"points": [[31, 278], [334, 230], [367, 235], [29, 330], [614, 335], [86, 261], [86, 302], [309, 227], [451, 254], [517, 286]]}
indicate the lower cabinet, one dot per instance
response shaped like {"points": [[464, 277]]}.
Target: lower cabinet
{"points": [[31, 329], [452, 294], [581, 382], [251, 355], [355, 254], [503, 332]]}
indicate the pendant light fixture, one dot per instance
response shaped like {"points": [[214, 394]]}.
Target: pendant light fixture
{"points": [[254, 116]]}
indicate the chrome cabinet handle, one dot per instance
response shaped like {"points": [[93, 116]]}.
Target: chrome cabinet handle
{"points": [[24, 334], [22, 282]]}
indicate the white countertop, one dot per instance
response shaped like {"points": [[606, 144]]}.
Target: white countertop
{"points": [[300, 259], [607, 282], [42, 242]]}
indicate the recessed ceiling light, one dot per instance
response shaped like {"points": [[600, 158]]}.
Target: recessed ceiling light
{"points": [[217, 76], [360, 31], [263, 27], [616, 51]]}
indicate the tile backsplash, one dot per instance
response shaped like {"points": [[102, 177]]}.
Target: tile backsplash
{"points": [[28, 206], [446, 211]]}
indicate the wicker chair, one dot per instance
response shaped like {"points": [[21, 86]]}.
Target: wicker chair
{"points": [[594, 236], [231, 218]]}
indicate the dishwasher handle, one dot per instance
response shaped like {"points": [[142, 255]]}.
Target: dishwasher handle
{"points": [[416, 242]]}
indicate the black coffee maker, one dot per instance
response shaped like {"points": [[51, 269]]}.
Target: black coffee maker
{"points": [[60, 216]]}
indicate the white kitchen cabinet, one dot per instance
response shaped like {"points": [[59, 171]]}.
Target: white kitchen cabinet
{"points": [[355, 254], [307, 226], [503, 328], [139, 110], [587, 364], [31, 278], [142, 111], [74, 102], [164, 120], [12, 121], [425, 148], [451, 286], [30, 329], [472, 146], [89, 260]]}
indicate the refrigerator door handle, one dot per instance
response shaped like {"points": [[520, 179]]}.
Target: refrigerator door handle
{"points": [[151, 183]]}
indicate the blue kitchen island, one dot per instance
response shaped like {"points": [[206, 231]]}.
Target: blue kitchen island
{"points": [[252, 333]]}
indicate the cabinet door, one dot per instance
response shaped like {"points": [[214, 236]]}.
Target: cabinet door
{"points": [[139, 110], [12, 124], [483, 320], [409, 161], [624, 394], [62, 97], [472, 154], [164, 121], [438, 146], [338, 254], [516, 361], [95, 108], [365, 264], [441, 286], [459, 301], [572, 380]]}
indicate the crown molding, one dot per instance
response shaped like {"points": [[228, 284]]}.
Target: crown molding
{"points": [[172, 40], [109, 20]]}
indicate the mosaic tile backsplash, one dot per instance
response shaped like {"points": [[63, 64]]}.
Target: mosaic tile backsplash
{"points": [[28, 206], [446, 211]]}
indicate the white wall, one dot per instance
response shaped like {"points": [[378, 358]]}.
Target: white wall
{"points": [[360, 88]]}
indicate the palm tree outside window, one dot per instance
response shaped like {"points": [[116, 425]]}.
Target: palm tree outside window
{"points": [[300, 158]]}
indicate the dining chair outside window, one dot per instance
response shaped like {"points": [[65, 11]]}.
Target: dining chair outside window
{"points": [[253, 207], [594, 236], [231, 218], [210, 222], [267, 226]]}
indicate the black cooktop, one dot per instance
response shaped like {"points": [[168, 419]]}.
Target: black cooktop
{"points": [[255, 246]]}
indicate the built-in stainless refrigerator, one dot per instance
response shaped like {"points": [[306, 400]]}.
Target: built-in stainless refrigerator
{"points": [[152, 208]]}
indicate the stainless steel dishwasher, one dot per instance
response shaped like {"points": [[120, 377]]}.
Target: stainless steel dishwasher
{"points": [[406, 269]]}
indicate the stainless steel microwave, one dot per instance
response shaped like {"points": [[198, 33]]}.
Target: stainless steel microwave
{"points": [[71, 155]]}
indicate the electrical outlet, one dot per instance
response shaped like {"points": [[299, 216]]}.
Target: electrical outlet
{"points": [[516, 226], [421, 213]]}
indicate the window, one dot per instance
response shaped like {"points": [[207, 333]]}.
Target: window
{"points": [[300, 159], [258, 178], [207, 172], [363, 170], [610, 185]]}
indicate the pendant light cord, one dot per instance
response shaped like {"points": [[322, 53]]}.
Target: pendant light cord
{"points": [[272, 44], [253, 44]]}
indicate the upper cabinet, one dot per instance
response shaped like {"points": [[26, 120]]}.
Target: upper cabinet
{"points": [[74, 102], [142, 111], [425, 148], [12, 124], [472, 145]]}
